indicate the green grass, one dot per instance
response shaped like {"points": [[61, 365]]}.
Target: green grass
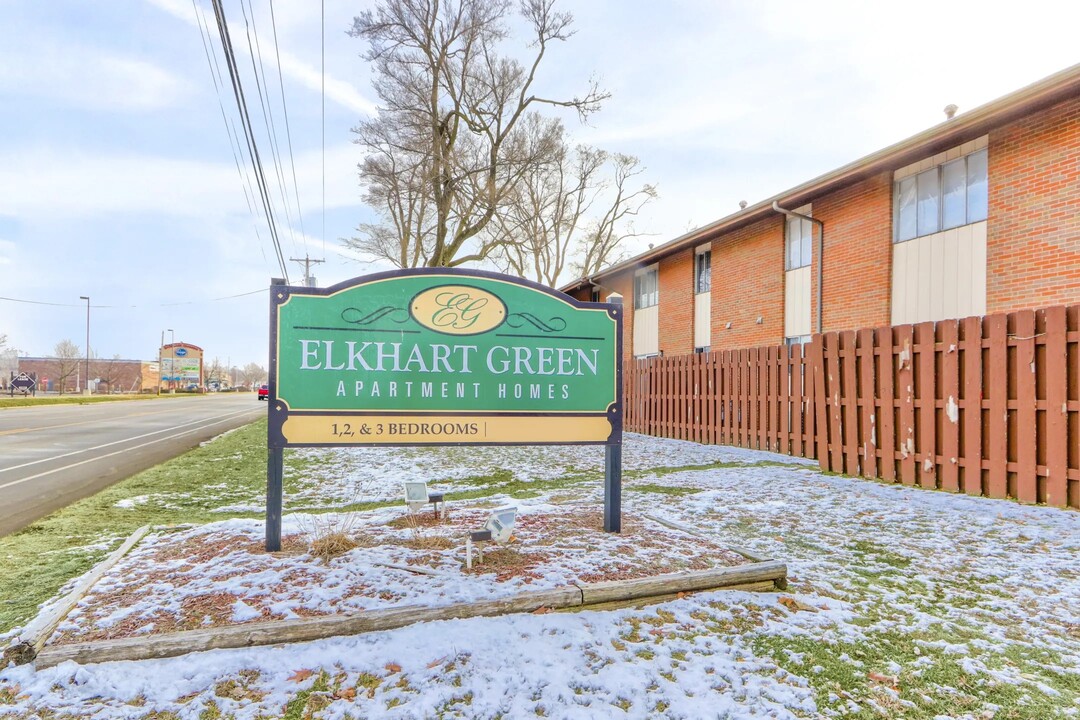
{"points": [[7, 401], [662, 489], [36, 561]]}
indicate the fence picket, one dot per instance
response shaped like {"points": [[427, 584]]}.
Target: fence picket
{"points": [[867, 389], [833, 391], [850, 402], [926, 396], [797, 404], [949, 426], [1027, 479], [905, 387], [821, 418], [1056, 443], [997, 381], [972, 406], [886, 425], [784, 402]]}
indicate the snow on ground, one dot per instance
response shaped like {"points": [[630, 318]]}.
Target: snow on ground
{"points": [[219, 574], [376, 474], [903, 603]]}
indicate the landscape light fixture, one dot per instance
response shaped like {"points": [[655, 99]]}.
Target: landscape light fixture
{"points": [[499, 527], [501, 524], [416, 495], [87, 371]]}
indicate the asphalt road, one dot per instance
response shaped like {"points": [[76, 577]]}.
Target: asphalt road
{"points": [[52, 455]]}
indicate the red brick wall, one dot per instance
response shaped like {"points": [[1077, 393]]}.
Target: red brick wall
{"points": [[747, 283], [676, 311], [1033, 232], [858, 255]]}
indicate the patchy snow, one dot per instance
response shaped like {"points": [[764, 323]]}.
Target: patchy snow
{"points": [[902, 603]]}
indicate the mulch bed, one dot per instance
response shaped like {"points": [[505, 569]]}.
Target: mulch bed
{"points": [[221, 575]]}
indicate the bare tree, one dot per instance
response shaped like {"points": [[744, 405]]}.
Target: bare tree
{"points": [[570, 213], [215, 372], [445, 147], [252, 373], [107, 372], [602, 245], [67, 362]]}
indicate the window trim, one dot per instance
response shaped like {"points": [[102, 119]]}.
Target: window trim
{"points": [[699, 265], [806, 242], [937, 172], [652, 294]]}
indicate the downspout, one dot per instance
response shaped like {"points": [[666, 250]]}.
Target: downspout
{"points": [[821, 251]]}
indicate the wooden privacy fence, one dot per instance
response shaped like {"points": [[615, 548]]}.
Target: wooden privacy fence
{"points": [[984, 405]]}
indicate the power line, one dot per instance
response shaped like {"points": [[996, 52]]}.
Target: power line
{"points": [[238, 94], [113, 307], [230, 130], [267, 112], [322, 47], [288, 130]]}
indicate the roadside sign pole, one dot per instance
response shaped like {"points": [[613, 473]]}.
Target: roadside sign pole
{"points": [[613, 453], [275, 465], [613, 488], [275, 454]]}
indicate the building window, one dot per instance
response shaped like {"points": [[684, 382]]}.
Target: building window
{"points": [[798, 240], [703, 272], [941, 198], [646, 289], [797, 340], [702, 350], [594, 295]]}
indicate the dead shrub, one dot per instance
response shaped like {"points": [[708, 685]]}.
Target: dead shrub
{"points": [[335, 544]]}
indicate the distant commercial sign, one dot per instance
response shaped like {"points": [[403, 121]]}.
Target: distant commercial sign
{"points": [[23, 383]]}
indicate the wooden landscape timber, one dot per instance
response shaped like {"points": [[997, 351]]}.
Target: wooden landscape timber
{"points": [[762, 576], [37, 632]]}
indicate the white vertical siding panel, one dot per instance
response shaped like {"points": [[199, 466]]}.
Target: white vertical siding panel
{"points": [[702, 319], [952, 271], [978, 267], [937, 276], [940, 276], [965, 273], [647, 331], [797, 302]]}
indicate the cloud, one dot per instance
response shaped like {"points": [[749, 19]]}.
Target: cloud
{"points": [[7, 252], [338, 91], [88, 77], [60, 181]]}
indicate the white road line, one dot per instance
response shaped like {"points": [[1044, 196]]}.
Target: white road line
{"points": [[118, 452], [96, 421], [117, 442]]}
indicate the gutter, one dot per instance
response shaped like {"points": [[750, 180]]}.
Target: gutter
{"points": [[821, 251]]}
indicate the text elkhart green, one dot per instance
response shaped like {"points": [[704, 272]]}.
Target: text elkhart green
{"points": [[440, 358]]}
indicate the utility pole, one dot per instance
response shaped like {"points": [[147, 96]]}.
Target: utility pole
{"points": [[309, 281]]}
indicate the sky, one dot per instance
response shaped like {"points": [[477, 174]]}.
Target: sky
{"points": [[118, 179]]}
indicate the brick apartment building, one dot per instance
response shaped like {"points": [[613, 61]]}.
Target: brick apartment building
{"points": [[979, 214]]}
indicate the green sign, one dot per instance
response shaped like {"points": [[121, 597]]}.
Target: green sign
{"points": [[442, 357]]}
